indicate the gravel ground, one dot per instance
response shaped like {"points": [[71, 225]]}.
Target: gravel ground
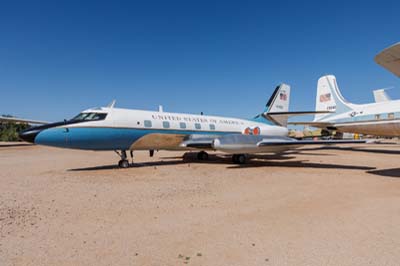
{"points": [[315, 206]]}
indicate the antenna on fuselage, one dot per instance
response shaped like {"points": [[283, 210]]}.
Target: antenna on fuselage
{"points": [[111, 104], [160, 108]]}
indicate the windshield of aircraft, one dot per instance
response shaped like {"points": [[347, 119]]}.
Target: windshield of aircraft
{"points": [[89, 117]]}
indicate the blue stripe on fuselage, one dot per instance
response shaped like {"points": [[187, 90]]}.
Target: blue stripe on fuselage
{"points": [[103, 138]]}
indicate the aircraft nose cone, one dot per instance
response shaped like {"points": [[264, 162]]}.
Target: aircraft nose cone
{"points": [[29, 135]]}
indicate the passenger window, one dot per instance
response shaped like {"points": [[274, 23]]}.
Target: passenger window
{"points": [[147, 123], [212, 126], [182, 125], [391, 115], [377, 117], [197, 126], [165, 124]]}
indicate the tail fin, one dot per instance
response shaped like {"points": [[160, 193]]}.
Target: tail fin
{"points": [[329, 98], [279, 103], [277, 108]]}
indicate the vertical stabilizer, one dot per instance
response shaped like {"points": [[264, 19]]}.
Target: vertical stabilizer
{"points": [[329, 98], [279, 102]]}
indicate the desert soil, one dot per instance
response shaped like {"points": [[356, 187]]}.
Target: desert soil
{"points": [[315, 206]]}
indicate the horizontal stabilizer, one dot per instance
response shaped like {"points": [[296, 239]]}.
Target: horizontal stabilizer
{"points": [[381, 96], [283, 116]]}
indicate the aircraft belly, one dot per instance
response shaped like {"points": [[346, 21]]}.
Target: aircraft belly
{"points": [[157, 141], [381, 129]]}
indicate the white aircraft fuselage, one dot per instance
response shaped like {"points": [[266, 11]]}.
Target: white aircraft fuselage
{"points": [[381, 119], [378, 118], [125, 129]]}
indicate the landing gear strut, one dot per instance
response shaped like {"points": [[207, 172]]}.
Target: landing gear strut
{"points": [[202, 156], [239, 158], [123, 163]]}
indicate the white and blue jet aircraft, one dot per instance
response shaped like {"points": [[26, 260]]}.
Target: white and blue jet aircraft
{"points": [[121, 130]]}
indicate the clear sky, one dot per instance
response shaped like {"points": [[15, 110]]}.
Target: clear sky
{"points": [[220, 57]]}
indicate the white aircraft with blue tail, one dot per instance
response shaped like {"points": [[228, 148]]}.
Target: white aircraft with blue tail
{"points": [[121, 130]]}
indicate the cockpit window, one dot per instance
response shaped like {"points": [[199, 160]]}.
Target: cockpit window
{"points": [[89, 117]]}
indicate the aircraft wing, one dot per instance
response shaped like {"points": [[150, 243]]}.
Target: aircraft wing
{"points": [[310, 142], [240, 144], [21, 120], [389, 58]]}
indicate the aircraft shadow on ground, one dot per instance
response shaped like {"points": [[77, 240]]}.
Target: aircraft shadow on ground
{"points": [[300, 164], [392, 172], [355, 149], [278, 160]]}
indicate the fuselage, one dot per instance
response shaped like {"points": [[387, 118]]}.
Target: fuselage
{"points": [[381, 119], [127, 129]]}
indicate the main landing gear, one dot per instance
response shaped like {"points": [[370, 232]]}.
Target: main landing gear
{"points": [[239, 158], [123, 163], [202, 156]]}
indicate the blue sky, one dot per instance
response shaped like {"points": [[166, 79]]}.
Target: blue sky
{"points": [[220, 57]]}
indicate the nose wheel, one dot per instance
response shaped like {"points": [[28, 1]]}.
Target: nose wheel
{"points": [[123, 163]]}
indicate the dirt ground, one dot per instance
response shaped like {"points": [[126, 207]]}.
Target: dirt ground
{"points": [[316, 206]]}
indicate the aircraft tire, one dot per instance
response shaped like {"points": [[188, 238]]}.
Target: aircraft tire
{"points": [[239, 158], [123, 164], [202, 156]]}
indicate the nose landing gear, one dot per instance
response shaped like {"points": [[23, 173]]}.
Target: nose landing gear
{"points": [[123, 163]]}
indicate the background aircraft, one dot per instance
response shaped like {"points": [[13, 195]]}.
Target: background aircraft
{"points": [[389, 58], [380, 118], [110, 128], [381, 96], [21, 120]]}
